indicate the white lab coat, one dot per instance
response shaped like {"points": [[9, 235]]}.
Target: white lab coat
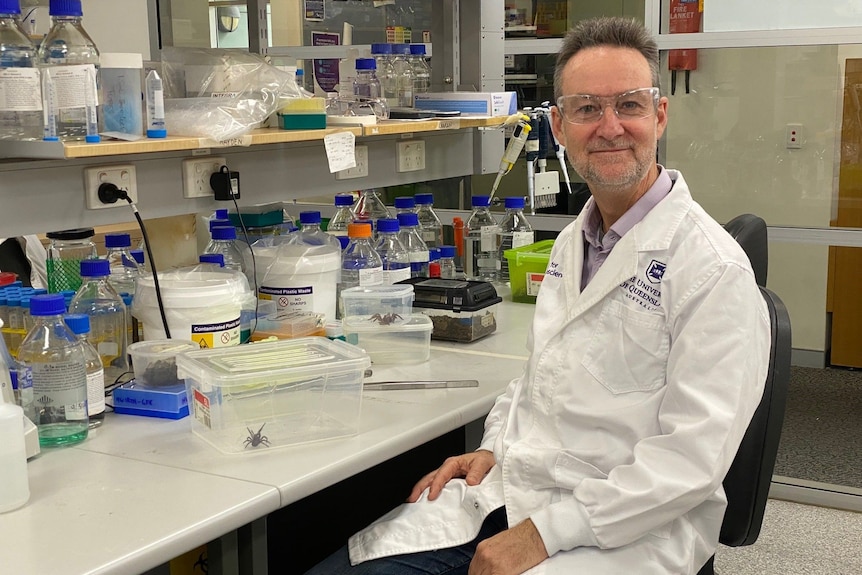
{"points": [[633, 402]]}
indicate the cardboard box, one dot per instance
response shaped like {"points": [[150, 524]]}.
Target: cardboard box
{"points": [[472, 103]]}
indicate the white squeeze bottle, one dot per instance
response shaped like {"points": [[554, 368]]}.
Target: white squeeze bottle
{"points": [[15, 489]]}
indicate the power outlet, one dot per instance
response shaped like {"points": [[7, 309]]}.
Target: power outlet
{"points": [[793, 136], [411, 156], [196, 176], [361, 168], [121, 175]]}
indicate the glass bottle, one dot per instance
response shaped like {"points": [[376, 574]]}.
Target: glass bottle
{"points": [[481, 252], [366, 84], [383, 55], [311, 234], [79, 323], [404, 76], [124, 268], [429, 223], [447, 263], [405, 205], [51, 357], [21, 119], [416, 248], [65, 253], [370, 208], [98, 299], [68, 44], [421, 69], [360, 263], [343, 215], [216, 259], [515, 231], [393, 253], [224, 242]]}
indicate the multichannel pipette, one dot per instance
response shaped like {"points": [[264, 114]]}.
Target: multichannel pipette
{"points": [[513, 150]]}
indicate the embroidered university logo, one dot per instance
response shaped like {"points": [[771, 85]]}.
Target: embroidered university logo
{"points": [[655, 271]]}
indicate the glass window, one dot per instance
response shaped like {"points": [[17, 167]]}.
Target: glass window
{"points": [[552, 18]]}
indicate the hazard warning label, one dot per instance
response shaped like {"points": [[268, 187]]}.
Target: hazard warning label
{"points": [[220, 334]]}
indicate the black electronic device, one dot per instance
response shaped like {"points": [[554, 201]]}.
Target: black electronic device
{"points": [[409, 114]]}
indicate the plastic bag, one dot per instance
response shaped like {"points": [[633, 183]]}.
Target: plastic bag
{"points": [[221, 94]]}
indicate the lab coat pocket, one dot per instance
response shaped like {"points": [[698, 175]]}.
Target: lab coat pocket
{"points": [[569, 471], [629, 349]]}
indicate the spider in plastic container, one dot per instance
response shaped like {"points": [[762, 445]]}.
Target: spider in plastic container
{"points": [[385, 319], [255, 439]]}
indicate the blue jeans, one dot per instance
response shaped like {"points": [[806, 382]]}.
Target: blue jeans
{"points": [[449, 561]]}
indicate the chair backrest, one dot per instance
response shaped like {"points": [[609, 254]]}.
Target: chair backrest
{"points": [[750, 232], [747, 482]]}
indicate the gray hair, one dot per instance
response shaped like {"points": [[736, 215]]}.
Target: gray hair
{"points": [[607, 31]]}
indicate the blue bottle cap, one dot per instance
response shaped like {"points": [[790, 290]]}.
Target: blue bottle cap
{"points": [[138, 256], [481, 201], [424, 199], [343, 240], [39, 291], [401, 49], [343, 200], [433, 254], [366, 64], [65, 8], [221, 214], [417, 49], [224, 233], [309, 217], [161, 133], [78, 322], [225, 223], [516, 203], [381, 48], [92, 138], [48, 304], [408, 220], [212, 259], [95, 268], [447, 251], [388, 225], [299, 72], [10, 7], [405, 202], [118, 241]]}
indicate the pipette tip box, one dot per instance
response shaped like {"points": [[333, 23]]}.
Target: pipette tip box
{"points": [[165, 402]]}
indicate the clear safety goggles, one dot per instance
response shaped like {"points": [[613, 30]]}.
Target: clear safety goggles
{"points": [[587, 109]]}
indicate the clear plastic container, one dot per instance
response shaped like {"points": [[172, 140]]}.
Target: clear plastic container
{"points": [[65, 253], [154, 361], [378, 305], [52, 361], [21, 119], [79, 323], [421, 69], [99, 300], [124, 268], [273, 394], [393, 253], [429, 223], [515, 232], [401, 343], [337, 225], [481, 253], [68, 44]]}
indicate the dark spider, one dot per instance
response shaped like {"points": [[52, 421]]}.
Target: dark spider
{"points": [[255, 439], [386, 319]]}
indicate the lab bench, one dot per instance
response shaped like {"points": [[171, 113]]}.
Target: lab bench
{"points": [[141, 491]]}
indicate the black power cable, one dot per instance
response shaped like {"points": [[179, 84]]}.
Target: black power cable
{"points": [[108, 194]]}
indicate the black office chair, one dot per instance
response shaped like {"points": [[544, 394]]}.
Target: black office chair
{"points": [[750, 232], [747, 482]]}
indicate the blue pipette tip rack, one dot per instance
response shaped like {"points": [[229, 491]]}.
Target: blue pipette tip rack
{"points": [[51, 139], [165, 402], [157, 133], [93, 139]]}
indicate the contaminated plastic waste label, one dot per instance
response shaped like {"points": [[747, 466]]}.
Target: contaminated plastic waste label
{"points": [[221, 334]]}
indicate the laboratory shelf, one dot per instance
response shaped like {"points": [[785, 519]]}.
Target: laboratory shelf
{"points": [[262, 136]]}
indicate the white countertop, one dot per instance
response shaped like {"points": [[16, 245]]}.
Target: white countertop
{"points": [[140, 491]]}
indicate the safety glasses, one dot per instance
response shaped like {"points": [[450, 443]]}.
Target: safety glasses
{"points": [[588, 109]]}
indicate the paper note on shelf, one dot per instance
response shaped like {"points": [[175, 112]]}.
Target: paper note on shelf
{"points": [[340, 151]]}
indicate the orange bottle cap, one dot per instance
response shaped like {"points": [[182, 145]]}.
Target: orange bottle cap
{"points": [[360, 230]]}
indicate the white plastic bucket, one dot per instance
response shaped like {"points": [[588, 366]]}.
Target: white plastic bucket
{"points": [[299, 277], [202, 306]]}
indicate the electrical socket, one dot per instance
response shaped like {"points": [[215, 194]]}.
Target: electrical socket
{"points": [[196, 176], [121, 175], [411, 155], [361, 168], [793, 136]]}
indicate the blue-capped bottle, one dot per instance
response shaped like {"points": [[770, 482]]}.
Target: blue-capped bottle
{"points": [[416, 248], [224, 242], [124, 268], [405, 205], [481, 250], [392, 251], [366, 84], [343, 216], [79, 323], [429, 222], [515, 232], [20, 117], [52, 360]]}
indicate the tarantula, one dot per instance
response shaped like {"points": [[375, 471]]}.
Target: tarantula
{"points": [[255, 439], [385, 319]]}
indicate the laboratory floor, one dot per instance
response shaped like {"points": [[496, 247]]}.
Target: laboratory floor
{"points": [[822, 427], [798, 539]]}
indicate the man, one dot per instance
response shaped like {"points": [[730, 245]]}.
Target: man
{"points": [[649, 350]]}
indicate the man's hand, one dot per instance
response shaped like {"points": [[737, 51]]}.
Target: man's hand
{"points": [[510, 552], [472, 466]]}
